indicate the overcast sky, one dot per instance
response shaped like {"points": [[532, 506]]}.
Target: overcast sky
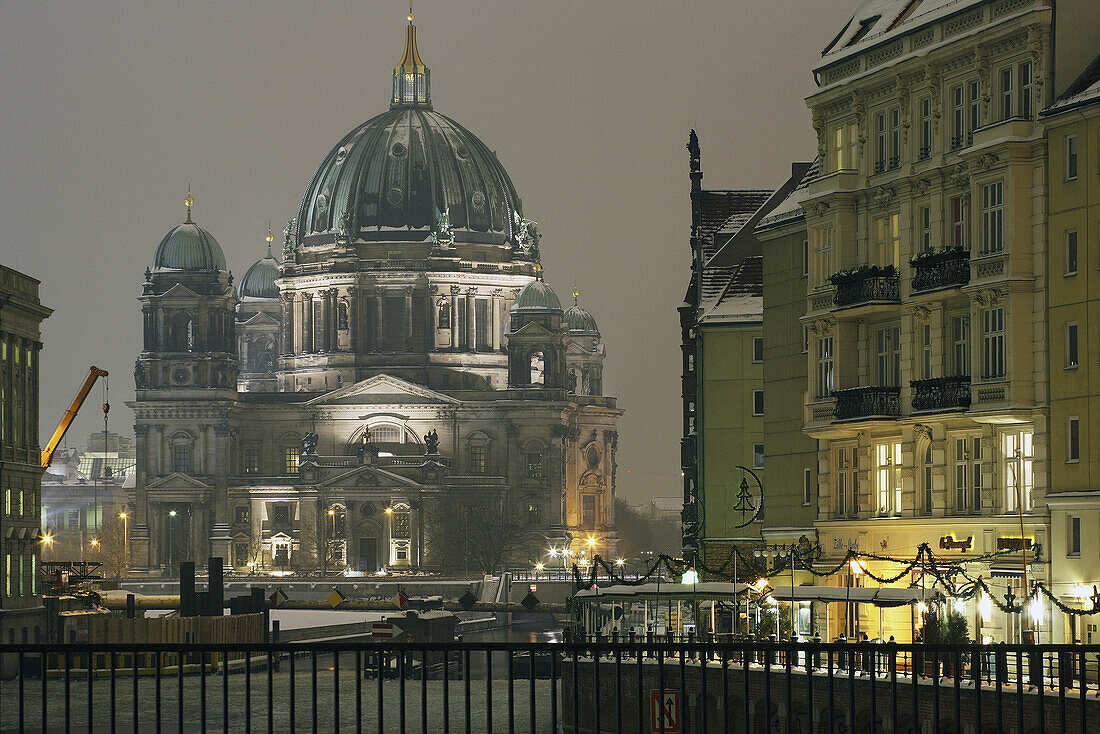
{"points": [[107, 110]]}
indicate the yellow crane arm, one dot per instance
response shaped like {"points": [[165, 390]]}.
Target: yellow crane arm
{"points": [[94, 373]]}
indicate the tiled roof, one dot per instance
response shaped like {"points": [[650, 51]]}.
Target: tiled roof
{"points": [[718, 210], [742, 298], [1085, 89]]}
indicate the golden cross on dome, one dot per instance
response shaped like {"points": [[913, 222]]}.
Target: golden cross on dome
{"points": [[189, 201], [270, 237], [410, 11], [576, 294]]}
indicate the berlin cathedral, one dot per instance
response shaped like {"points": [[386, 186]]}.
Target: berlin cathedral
{"points": [[400, 379]]}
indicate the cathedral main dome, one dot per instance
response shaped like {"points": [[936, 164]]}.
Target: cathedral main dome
{"points": [[405, 169]]}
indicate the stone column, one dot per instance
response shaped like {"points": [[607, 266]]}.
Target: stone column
{"points": [[162, 449], [220, 539], [408, 318], [353, 320], [454, 317], [287, 333], [495, 316], [471, 319], [307, 323], [330, 322], [378, 295], [139, 522], [323, 337]]}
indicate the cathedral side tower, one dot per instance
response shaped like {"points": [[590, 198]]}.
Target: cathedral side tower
{"points": [[185, 380]]}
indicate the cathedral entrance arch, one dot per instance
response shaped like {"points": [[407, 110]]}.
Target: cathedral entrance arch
{"points": [[368, 555]]}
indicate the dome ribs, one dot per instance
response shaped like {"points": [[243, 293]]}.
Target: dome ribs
{"points": [[398, 168]]}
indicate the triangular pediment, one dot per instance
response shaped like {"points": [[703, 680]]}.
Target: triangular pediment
{"points": [[177, 480], [260, 319], [383, 389], [179, 292], [369, 476], [532, 328]]}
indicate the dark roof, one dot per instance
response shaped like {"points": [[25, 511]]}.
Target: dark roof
{"points": [[404, 169], [747, 278], [259, 280], [189, 247], [716, 209], [1083, 90]]}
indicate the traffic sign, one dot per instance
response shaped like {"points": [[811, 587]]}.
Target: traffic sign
{"points": [[385, 630], [664, 708], [335, 598]]}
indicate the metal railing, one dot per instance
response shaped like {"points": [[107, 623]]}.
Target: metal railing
{"points": [[941, 393], [944, 269], [867, 286], [867, 402], [603, 686]]}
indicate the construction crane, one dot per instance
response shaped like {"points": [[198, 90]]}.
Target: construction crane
{"points": [[94, 373]]}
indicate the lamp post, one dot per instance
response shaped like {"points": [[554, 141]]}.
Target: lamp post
{"points": [[171, 514], [125, 537]]}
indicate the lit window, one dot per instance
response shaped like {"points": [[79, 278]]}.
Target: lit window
{"points": [[888, 477], [533, 514], [290, 459], [1018, 471]]}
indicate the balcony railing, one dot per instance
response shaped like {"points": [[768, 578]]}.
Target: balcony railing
{"points": [[866, 284], [942, 269], [941, 394], [867, 402]]}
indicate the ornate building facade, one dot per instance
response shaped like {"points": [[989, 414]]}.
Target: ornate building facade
{"points": [[401, 368]]}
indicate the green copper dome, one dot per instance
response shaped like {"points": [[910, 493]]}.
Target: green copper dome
{"points": [[577, 320], [536, 296], [189, 247], [259, 280]]}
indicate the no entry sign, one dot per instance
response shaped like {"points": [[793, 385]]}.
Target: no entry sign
{"points": [[664, 708]]}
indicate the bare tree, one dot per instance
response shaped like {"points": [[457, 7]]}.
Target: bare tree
{"points": [[111, 547], [478, 535]]}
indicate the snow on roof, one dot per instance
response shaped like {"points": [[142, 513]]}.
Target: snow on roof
{"points": [[1084, 90], [876, 20]]}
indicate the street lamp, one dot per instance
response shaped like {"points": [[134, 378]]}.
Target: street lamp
{"points": [[125, 537], [171, 514]]}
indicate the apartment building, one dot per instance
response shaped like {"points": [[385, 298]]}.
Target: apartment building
{"points": [[21, 314], [1072, 126], [926, 291]]}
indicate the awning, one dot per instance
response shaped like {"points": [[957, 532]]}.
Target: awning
{"points": [[706, 591], [880, 597]]}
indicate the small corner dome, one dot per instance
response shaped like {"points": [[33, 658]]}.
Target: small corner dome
{"points": [[259, 279], [579, 321], [536, 296], [189, 247]]}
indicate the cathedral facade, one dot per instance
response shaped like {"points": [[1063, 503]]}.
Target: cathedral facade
{"points": [[400, 390]]}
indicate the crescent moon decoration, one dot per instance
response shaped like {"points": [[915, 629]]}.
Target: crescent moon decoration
{"points": [[751, 507]]}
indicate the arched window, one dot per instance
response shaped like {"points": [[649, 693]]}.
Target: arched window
{"points": [[182, 452], [478, 453], [537, 365], [443, 309], [181, 333]]}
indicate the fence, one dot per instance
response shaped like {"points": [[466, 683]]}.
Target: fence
{"points": [[570, 687]]}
